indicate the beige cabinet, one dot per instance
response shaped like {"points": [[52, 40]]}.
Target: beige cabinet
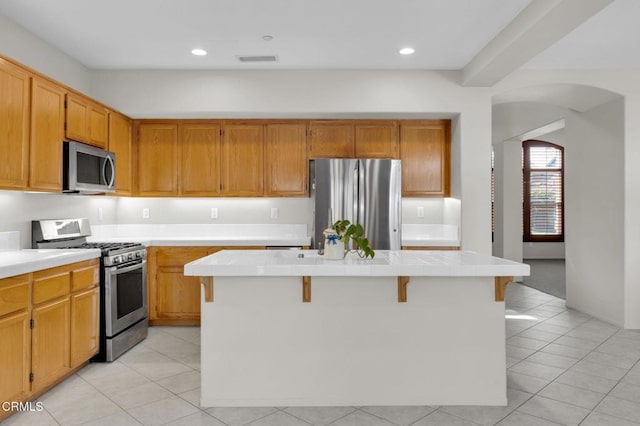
{"points": [[47, 133], [425, 151], [14, 126], [120, 144], [86, 121], [286, 161], [199, 147], [157, 159], [331, 139], [376, 139], [242, 160]]}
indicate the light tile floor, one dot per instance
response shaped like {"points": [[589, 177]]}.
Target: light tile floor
{"points": [[564, 367]]}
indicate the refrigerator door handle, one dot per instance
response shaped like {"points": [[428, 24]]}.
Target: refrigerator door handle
{"points": [[356, 195]]}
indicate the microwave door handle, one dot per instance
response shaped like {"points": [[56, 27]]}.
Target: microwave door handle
{"points": [[104, 171]]}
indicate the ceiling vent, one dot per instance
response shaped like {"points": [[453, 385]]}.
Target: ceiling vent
{"points": [[258, 58]]}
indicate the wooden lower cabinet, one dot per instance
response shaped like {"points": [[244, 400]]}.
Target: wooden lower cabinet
{"points": [[85, 325], [49, 328], [15, 362], [174, 299], [50, 342]]}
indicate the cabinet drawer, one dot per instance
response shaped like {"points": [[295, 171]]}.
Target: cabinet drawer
{"points": [[84, 277], [14, 294], [179, 256], [50, 287]]}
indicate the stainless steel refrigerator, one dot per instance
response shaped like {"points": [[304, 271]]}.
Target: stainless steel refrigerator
{"points": [[364, 191]]}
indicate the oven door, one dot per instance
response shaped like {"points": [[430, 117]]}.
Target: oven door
{"points": [[125, 296]]}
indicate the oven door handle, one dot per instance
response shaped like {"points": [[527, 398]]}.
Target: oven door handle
{"points": [[115, 269]]}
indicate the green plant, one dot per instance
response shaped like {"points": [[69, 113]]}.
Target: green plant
{"points": [[351, 231]]}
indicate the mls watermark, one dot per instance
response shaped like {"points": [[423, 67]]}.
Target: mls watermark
{"points": [[15, 406]]}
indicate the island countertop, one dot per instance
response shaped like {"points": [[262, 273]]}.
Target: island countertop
{"points": [[387, 263]]}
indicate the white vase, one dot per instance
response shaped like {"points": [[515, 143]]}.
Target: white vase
{"points": [[333, 250]]}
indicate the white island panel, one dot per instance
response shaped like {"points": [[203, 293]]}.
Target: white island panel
{"points": [[353, 344]]}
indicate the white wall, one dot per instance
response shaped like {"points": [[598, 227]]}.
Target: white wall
{"points": [[595, 211], [18, 209], [18, 43], [511, 122], [411, 94]]}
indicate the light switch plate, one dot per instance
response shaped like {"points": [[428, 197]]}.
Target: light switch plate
{"points": [[214, 212], [420, 211], [274, 212]]}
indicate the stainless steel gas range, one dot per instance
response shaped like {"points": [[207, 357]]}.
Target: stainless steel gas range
{"points": [[123, 282]]}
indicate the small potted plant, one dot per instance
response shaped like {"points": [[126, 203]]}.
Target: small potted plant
{"points": [[337, 240]]}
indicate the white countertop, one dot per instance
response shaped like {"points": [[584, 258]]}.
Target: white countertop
{"points": [[16, 262], [203, 234], [386, 263]]}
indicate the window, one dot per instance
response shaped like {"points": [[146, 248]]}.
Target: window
{"points": [[543, 176]]}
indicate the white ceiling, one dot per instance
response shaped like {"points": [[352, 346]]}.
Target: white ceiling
{"points": [[312, 34], [308, 34]]}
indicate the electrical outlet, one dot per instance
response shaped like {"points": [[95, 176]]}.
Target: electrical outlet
{"points": [[214, 212], [100, 214], [274, 212], [145, 213], [420, 211]]}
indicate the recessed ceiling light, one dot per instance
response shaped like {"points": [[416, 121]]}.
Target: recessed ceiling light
{"points": [[407, 51], [267, 37], [199, 52]]}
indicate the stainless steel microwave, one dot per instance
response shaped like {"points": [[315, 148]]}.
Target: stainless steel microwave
{"points": [[87, 169]]}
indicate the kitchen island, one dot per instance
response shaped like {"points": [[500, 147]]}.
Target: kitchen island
{"points": [[405, 328]]}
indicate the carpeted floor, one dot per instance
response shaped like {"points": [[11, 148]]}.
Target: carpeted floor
{"points": [[548, 276]]}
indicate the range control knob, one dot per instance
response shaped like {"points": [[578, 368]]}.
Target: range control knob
{"points": [[130, 257], [115, 259], [138, 255]]}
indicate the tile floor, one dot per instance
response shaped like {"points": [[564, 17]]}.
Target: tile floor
{"points": [[564, 367]]}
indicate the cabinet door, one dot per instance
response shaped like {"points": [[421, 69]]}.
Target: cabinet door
{"points": [[120, 144], [331, 139], [14, 127], [85, 325], [15, 363], [98, 126], [77, 119], [86, 121], [425, 152], [287, 167], [47, 133], [175, 295], [199, 159], [377, 140], [242, 160], [158, 159], [178, 296], [50, 342]]}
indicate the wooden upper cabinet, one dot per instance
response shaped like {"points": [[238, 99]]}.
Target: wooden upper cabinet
{"points": [[157, 159], [199, 159], [14, 126], [242, 160], [120, 144], [376, 140], [86, 121], [425, 150], [287, 166], [331, 139], [47, 133]]}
